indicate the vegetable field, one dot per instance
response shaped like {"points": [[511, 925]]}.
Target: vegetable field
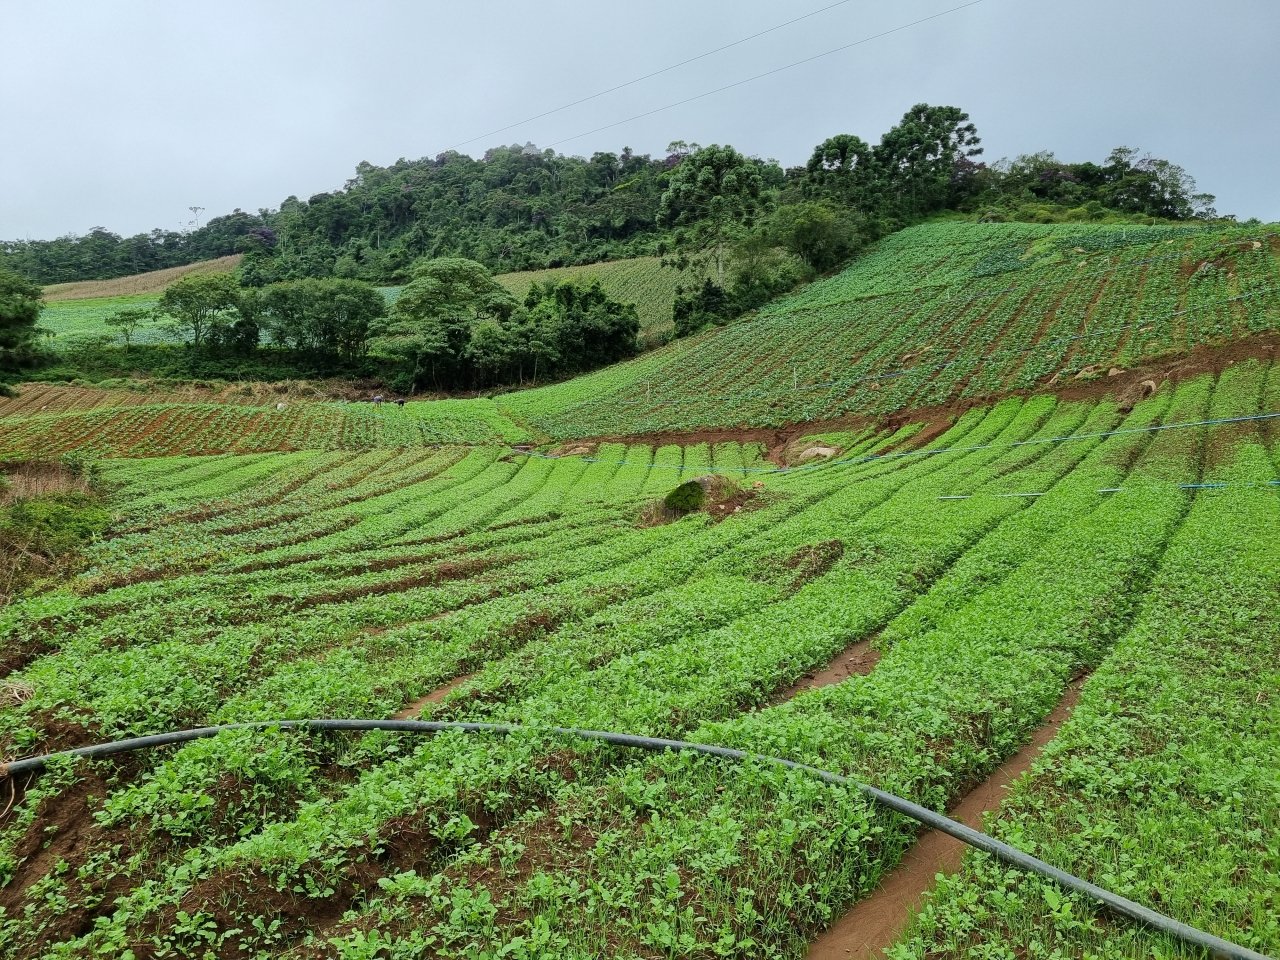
{"points": [[937, 314], [641, 281], [964, 581]]}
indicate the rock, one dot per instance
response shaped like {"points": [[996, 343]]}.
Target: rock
{"points": [[813, 453], [1088, 371], [1115, 371], [1257, 244]]}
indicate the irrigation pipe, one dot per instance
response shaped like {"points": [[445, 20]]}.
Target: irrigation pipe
{"points": [[922, 452], [1207, 485], [974, 838]]}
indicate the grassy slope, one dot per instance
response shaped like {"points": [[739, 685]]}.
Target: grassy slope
{"points": [[935, 313], [76, 311]]}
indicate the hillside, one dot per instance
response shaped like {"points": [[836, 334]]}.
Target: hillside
{"points": [[641, 281], [152, 282], [910, 613], [76, 311], [939, 314], [990, 524]]}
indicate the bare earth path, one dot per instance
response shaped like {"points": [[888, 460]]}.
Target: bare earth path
{"points": [[877, 921]]}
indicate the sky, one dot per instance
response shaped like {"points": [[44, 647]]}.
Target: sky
{"points": [[126, 114]]}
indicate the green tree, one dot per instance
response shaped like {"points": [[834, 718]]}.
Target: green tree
{"points": [[841, 169], [922, 163], [128, 322], [820, 236], [331, 317], [202, 307], [430, 325], [588, 327], [713, 195], [20, 304]]}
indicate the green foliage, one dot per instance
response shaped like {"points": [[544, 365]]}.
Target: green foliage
{"points": [[820, 235], [687, 497], [252, 586], [20, 305], [430, 325], [455, 326], [326, 317], [129, 323], [205, 310], [641, 282]]}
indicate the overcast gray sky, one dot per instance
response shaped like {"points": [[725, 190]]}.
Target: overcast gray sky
{"points": [[125, 113]]}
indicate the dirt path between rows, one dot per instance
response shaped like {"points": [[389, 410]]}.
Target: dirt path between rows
{"points": [[1174, 368], [856, 660], [412, 711], [877, 921]]}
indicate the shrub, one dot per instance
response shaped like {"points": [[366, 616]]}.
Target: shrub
{"points": [[686, 498]]}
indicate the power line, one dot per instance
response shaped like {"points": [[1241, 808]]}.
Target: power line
{"points": [[649, 76], [767, 73]]}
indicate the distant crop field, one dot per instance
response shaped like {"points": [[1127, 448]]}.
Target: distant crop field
{"points": [[153, 282], [936, 314], [79, 320], [910, 614], [641, 281]]}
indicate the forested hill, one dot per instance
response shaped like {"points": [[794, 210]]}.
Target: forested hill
{"points": [[518, 207]]}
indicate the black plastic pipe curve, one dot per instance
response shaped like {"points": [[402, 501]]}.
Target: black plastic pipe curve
{"points": [[1216, 946]]}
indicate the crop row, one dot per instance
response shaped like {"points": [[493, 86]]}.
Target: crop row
{"points": [[169, 429], [916, 323]]}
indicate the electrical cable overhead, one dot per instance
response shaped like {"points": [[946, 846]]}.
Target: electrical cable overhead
{"points": [[649, 76], [767, 73]]}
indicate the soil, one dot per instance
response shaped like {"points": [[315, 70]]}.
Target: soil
{"points": [[877, 921], [856, 660], [937, 418], [413, 710]]}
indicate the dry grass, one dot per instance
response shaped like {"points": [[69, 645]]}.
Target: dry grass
{"points": [[36, 478], [14, 692], [153, 282]]}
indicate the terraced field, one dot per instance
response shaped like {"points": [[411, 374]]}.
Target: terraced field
{"points": [[909, 612], [943, 313], [45, 421]]}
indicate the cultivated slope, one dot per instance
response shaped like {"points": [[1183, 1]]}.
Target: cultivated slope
{"points": [[642, 281], [940, 313], [990, 568], [152, 282]]}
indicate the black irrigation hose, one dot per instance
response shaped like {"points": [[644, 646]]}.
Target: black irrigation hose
{"points": [[974, 838]]}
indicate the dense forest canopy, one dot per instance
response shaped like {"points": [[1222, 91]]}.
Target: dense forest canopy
{"points": [[518, 207]]}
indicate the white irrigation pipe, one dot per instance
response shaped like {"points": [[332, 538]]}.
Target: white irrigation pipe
{"points": [[974, 838]]}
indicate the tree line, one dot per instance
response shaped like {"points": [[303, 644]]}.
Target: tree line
{"points": [[518, 207], [452, 327]]}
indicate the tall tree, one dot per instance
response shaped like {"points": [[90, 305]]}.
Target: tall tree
{"points": [[430, 324], [713, 194], [923, 160], [840, 169], [20, 304], [202, 307]]}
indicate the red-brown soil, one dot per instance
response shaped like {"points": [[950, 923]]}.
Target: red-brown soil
{"points": [[877, 921]]}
